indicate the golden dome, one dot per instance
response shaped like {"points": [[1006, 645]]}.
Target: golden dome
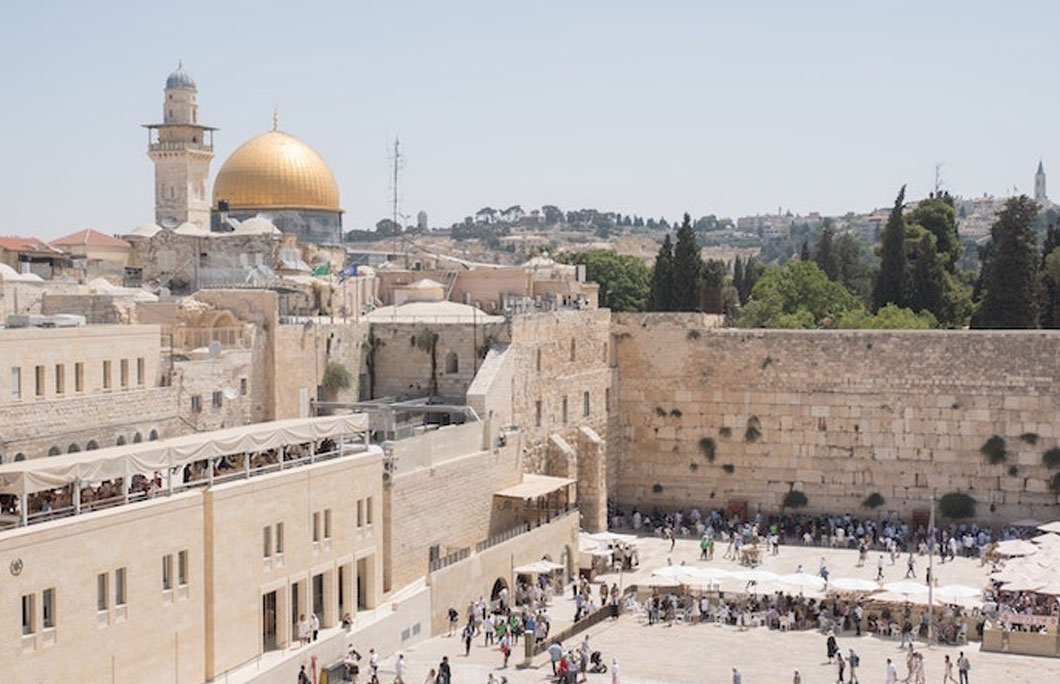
{"points": [[276, 170]]}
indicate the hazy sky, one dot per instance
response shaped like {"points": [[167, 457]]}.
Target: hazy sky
{"points": [[652, 108]]}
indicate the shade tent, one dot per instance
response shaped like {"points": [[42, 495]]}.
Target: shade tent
{"points": [[1027, 522], [1050, 527], [147, 458], [957, 592], [802, 581], [659, 582], [906, 588], [1016, 547], [610, 537], [541, 567], [853, 584]]}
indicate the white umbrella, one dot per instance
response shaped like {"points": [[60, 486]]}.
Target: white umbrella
{"points": [[708, 573], [955, 592], [1047, 539], [537, 568], [611, 537], [1025, 584], [802, 581], [1027, 522], [853, 584], [672, 571], [893, 597], [756, 575], [1052, 589], [906, 588], [1016, 547], [657, 581], [1050, 527]]}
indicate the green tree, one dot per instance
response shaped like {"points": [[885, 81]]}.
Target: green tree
{"points": [[688, 268], [737, 279], [386, 227], [552, 214], [824, 252], [928, 281], [937, 215], [889, 317], [1010, 275], [796, 295], [712, 282], [853, 274], [662, 278], [1049, 280], [804, 251], [892, 282], [624, 280]]}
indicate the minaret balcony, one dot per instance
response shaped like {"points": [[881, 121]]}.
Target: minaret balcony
{"points": [[179, 146]]}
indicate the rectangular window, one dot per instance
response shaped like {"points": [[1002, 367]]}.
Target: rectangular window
{"points": [[607, 398], [327, 523], [564, 409], [167, 572], [140, 372], [38, 384], [368, 510], [279, 537], [243, 387], [196, 403], [182, 568], [123, 372], [217, 399], [47, 606], [316, 526], [360, 512], [266, 541], [102, 602], [79, 377], [28, 618], [537, 413], [585, 404], [60, 378], [106, 375], [119, 587], [16, 382], [538, 360]]}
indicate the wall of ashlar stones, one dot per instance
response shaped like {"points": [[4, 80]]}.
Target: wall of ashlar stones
{"points": [[840, 415]]}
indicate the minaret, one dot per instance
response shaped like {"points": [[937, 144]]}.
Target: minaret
{"points": [[181, 152], [1039, 186]]}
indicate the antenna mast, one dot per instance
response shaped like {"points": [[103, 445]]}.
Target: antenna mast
{"points": [[938, 178], [397, 163]]}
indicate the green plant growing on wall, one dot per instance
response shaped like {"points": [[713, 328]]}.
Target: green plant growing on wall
{"points": [[1051, 458], [874, 500], [994, 450], [708, 448], [370, 346], [729, 468], [1054, 484], [693, 466], [957, 505], [1029, 438], [337, 378], [427, 341], [725, 432], [753, 431], [1013, 470], [693, 335], [795, 499], [660, 411], [676, 413], [656, 488]]}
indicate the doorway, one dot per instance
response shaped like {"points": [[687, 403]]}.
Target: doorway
{"points": [[343, 578], [295, 614], [318, 596], [268, 622], [362, 584]]}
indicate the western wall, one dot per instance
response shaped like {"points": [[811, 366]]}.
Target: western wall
{"points": [[722, 417]]}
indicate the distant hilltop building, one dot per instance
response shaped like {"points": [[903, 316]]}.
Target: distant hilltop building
{"points": [[1039, 187], [275, 175]]}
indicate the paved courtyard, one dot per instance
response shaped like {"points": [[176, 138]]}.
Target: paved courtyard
{"points": [[708, 652]]}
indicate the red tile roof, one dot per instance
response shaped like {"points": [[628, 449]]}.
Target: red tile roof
{"points": [[17, 243], [89, 237]]}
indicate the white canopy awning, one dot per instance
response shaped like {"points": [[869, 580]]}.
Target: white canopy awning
{"points": [[146, 458], [534, 486], [540, 567]]}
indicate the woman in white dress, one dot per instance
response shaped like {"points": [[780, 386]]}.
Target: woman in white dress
{"points": [[614, 672]]}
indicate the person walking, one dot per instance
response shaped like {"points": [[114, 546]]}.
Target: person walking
{"points": [[853, 661], [555, 652], [879, 568], [315, 625], [797, 679], [910, 566], [737, 678], [399, 669], [892, 674], [469, 634], [947, 675], [841, 665], [303, 678], [445, 675], [962, 667], [432, 677], [831, 646], [615, 679]]}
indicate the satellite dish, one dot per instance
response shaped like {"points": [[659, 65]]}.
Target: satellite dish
{"points": [[215, 349], [230, 393], [169, 222]]}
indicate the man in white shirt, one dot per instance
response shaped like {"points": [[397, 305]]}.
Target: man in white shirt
{"points": [[892, 674]]}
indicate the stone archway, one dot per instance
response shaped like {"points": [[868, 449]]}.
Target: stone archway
{"points": [[500, 587]]}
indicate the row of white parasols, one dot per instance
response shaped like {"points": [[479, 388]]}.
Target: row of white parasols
{"points": [[1033, 565]]}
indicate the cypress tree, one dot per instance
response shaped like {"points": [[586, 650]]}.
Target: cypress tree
{"points": [[824, 252], [1049, 285], [662, 278], [929, 283], [688, 268], [1010, 276], [737, 279], [892, 282], [804, 252]]}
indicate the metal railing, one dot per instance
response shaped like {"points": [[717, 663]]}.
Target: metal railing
{"points": [[450, 558], [178, 146], [194, 338]]}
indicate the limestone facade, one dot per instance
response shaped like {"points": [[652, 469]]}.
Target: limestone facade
{"points": [[836, 414]]}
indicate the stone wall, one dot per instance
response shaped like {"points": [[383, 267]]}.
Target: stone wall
{"points": [[836, 414], [448, 503], [558, 359]]}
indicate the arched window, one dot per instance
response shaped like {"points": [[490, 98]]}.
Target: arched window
{"points": [[452, 363], [92, 445], [121, 440], [137, 438], [73, 448], [153, 435], [54, 451], [20, 456]]}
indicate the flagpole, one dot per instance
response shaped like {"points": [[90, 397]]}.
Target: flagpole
{"points": [[931, 568]]}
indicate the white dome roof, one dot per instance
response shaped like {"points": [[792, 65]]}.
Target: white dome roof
{"points": [[257, 225], [144, 230], [191, 229]]}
